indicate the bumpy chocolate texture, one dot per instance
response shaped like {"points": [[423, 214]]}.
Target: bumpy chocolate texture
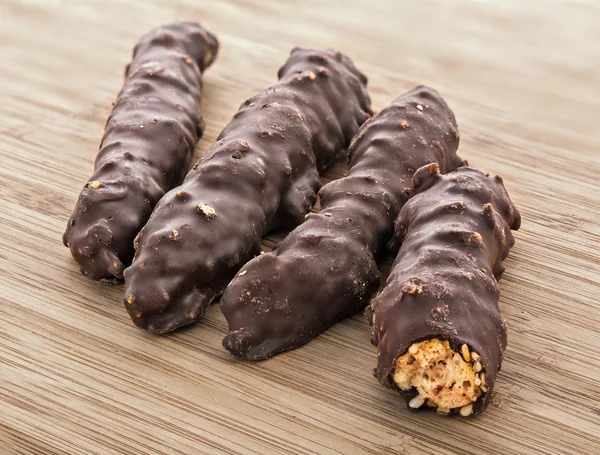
{"points": [[325, 270], [262, 172], [146, 149], [437, 320]]}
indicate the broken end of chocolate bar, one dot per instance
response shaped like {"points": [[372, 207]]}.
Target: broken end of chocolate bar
{"points": [[432, 374], [440, 335]]}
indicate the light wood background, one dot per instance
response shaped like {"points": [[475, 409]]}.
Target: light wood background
{"points": [[523, 78]]}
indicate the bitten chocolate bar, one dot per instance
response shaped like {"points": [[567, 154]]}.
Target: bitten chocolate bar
{"points": [[262, 172], [326, 270], [146, 149], [439, 335]]}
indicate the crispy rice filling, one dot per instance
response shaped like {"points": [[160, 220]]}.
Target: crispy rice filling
{"points": [[443, 378]]}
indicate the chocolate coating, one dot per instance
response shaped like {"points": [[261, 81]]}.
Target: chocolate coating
{"points": [[263, 172], [325, 270], [455, 232], [146, 149]]}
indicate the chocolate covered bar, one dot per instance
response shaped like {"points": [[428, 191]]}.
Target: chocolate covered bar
{"points": [[147, 146], [326, 270], [439, 334], [262, 172]]}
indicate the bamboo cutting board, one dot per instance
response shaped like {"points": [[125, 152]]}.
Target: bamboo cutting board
{"points": [[77, 378]]}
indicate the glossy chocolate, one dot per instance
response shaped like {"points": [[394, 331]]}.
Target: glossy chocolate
{"points": [[146, 149], [455, 232], [326, 270], [262, 172]]}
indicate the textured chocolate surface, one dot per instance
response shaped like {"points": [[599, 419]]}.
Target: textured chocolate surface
{"points": [[262, 172], [325, 270], [146, 149], [455, 232]]}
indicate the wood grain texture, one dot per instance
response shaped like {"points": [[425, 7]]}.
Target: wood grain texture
{"points": [[77, 378]]}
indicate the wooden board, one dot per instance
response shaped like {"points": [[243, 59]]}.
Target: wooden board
{"points": [[77, 378]]}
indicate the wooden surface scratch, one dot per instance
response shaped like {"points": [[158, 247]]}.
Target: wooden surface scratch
{"points": [[77, 378]]}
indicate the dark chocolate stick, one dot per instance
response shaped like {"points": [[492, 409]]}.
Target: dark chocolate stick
{"points": [[146, 149], [436, 322], [325, 270], [263, 172]]}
